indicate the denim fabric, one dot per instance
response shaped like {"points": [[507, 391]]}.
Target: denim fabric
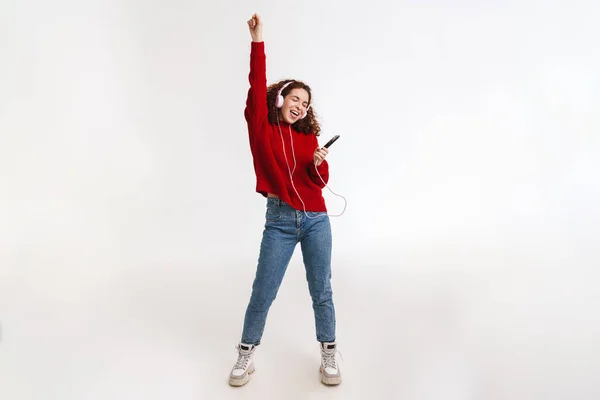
{"points": [[284, 228]]}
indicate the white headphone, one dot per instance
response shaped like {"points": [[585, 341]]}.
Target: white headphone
{"points": [[279, 99]]}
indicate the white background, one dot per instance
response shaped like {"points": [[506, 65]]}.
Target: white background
{"points": [[465, 266]]}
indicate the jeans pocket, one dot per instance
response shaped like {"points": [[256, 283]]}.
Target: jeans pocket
{"points": [[273, 214], [316, 214]]}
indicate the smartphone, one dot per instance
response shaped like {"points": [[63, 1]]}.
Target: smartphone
{"points": [[333, 139]]}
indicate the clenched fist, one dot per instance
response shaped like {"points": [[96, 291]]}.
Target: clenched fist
{"points": [[255, 25]]}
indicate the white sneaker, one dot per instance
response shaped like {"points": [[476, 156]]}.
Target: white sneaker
{"points": [[330, 372], [240, 374]]}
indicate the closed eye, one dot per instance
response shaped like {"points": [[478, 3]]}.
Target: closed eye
{"points": [[296, 99]]}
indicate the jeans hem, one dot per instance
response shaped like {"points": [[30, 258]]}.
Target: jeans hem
{"points": [[326, 341]]}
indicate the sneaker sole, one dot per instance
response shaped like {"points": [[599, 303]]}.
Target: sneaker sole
{"points": [[330, 381], [242, 381]]}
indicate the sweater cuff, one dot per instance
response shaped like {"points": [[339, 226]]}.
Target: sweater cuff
{"points": [[321, 168]]}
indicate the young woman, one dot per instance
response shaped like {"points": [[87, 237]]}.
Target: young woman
{"points": [[291, 171]]}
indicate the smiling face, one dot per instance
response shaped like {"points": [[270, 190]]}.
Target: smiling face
{"points": [[295, 104]]}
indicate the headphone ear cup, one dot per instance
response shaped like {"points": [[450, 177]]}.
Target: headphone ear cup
{"points": [[279, 99], [305, 112]]}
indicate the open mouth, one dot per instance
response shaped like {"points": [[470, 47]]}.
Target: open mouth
{"points": [[295, 113]]}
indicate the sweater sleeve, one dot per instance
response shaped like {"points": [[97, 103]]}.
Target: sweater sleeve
{"points": [[256, 104], [323, 169], [314, 172]]}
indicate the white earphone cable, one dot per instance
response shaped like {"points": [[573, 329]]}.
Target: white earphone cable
{"points": [[294, 169]]}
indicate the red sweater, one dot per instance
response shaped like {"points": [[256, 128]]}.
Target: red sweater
{"points": [[272, 174]]}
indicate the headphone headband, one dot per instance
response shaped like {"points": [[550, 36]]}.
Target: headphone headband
{"points": [[283, 87]]}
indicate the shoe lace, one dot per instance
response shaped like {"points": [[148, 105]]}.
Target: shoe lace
{"points": [[242, 361], [329, 359]]}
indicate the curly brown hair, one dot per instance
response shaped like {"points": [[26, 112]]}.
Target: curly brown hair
{"points": [[307, 125]]}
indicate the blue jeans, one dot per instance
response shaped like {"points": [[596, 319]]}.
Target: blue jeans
{"points": [[284, 228]]}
